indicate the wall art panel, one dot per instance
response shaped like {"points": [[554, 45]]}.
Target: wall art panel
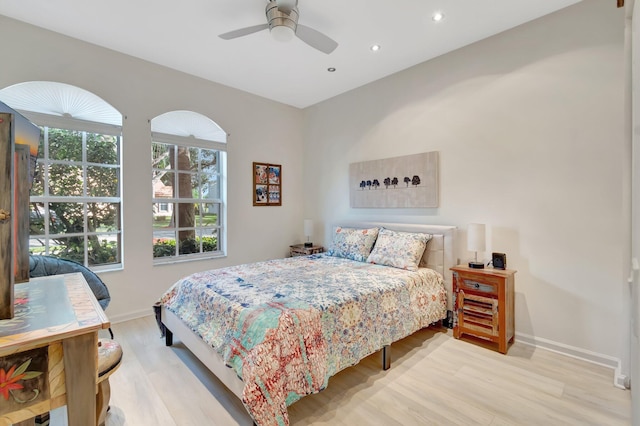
{"points": [[409, 181]]}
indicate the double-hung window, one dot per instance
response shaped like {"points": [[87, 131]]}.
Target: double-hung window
{"points": [[188, 197], [75, 208]]}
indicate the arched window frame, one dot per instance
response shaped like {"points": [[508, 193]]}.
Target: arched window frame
{"points": [[97, 226]]}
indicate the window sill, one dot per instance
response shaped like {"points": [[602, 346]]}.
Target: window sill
{"points": [[170, 260]]}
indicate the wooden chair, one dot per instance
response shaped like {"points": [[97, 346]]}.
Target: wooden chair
{"points": [[109, 359]]}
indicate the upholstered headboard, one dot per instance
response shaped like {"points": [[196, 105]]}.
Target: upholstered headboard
{"points": [[440, 254]]}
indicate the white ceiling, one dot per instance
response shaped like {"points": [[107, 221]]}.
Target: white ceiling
{"points": [[183, 35]]}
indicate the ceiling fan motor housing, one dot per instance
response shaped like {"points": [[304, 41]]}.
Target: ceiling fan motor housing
{"points": [[278, 17]]}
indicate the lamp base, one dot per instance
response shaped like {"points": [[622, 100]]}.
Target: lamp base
{"points": [[476, 265], [308, 244]]}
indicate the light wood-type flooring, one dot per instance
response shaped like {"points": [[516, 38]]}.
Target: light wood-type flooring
{"points": [[434, 380]]}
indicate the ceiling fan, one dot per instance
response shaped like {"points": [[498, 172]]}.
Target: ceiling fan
{"points": [[282, 21]]}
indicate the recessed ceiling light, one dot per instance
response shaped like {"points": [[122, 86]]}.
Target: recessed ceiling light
{"points": [[438, 16], [375, 47], [331, 69]]}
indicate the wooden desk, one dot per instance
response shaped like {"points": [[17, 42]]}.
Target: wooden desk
{"points": [[49, 351]]}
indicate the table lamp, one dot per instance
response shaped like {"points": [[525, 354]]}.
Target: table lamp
{"points": [[308, 232], [476, 242]]}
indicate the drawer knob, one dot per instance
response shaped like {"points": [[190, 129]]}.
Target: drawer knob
{"points": [[476, 285]]}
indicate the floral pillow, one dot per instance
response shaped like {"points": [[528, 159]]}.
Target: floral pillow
{"points": [[353, 243], [399, 249]]}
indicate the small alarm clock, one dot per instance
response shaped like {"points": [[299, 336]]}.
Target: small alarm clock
{"points": [[499, 260]]}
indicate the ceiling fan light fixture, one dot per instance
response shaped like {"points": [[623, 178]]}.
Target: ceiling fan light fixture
{"points": [[282, 33], [282, 23]]}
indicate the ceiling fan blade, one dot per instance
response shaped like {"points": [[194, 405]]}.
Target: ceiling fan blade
{"points": [[316, 39], [243, 31]]}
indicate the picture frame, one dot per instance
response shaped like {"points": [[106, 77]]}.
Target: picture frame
{"points": [[267, 184], [409, 181]]}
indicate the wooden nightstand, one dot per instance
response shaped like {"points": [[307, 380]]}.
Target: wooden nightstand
{"points": [[301, 250], [484, 304]]}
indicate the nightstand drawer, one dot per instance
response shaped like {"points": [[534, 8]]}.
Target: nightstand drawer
{"points": [[483, 276], [483, 286]]}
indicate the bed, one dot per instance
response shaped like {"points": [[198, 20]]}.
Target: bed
{"points": [[277, 330]]}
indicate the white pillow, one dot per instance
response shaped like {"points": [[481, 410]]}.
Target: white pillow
{"points": [[399, 249], [353, 243]]}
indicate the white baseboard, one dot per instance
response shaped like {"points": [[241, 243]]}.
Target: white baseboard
{"points": [[130, 316], [620, 380]]}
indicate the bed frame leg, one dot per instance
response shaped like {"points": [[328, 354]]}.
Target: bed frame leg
{"points": [[386, 357], [168, 337], [158, 314]]}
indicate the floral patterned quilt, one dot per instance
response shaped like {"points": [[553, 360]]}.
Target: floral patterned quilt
{"points": [[286, 326]]}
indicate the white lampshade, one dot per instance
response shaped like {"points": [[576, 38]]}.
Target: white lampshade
{"points": [[476, 240], [308, 228]]}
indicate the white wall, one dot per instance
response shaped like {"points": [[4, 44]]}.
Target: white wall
{"points": [[530, 129], [261, 130]]}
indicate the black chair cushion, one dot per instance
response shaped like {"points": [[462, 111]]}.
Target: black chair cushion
{"points": [[42, 266]]}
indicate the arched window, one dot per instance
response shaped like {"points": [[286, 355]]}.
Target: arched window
{"points": [[188, 184], [75, 203]]}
